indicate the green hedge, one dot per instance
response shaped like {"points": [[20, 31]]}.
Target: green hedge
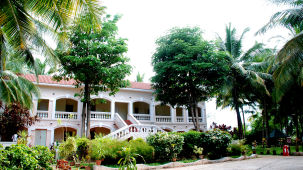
{"points": [[167, 145], [23, 157]]}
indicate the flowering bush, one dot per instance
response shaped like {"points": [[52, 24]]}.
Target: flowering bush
{"points": [[167, 146], [215, 143]]}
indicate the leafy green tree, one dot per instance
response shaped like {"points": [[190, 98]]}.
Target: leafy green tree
{"points": [[95, 59], [239, 82], [188, 69]]}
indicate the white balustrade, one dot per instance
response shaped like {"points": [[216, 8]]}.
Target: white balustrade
{"points": [[135, 131], [100, 115], [119, 121], [42, 114], [66, 115], [190, 119], [180, 119], [163, 119], [142, 117]]}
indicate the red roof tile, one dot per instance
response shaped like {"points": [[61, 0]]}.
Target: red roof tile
{"points": [[49, 80]]}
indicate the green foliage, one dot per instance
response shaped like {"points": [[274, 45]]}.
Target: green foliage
{"points": [[44, 156], [198, 150], [236, 147], [191, 139], [22, 137], [128, 161], [95, 57], [140, 147], [216, 142], [188, 68], [23, 157], [97, 149], [83, 147], [167, 146], [68, 148]]}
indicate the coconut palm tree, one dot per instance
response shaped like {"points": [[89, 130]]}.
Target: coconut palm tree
{"points": [[240, 80], [23, 24]]}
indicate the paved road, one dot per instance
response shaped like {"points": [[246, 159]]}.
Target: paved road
{"points": [[261, 163]]}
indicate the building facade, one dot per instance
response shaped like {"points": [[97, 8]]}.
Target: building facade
{"points": [[132, 112]]}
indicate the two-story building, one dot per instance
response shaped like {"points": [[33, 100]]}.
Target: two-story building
{"points": [[132, 112]]}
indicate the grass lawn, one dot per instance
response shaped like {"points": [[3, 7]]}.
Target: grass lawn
{"points": [[279, 150]]}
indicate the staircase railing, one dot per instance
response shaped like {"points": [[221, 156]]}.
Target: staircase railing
{"points": [[119, 121], [133, 119], [135, 131]]}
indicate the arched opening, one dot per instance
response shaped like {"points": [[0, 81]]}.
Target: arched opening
{"points": [[66, 109], [163, 113], [162, 110], [62, 133], [42, 108], [99, 131], [100, 109], [141, 111], [179, 114]]}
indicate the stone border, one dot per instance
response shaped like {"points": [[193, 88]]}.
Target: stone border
{"points": [[180, 164]]}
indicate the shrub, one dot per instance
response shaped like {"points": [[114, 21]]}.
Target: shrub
{"points": [[97, 151], [167, 146], [83, 148], [21, 157], [191, 139], [3, 161], [215, 143], [68, 148], [111, 148], [139, 146], [44, 156], [236, 147]]}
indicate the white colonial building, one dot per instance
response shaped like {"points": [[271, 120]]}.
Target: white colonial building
{"points": [[132, 112]]}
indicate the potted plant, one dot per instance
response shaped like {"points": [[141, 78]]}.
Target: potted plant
{"points": [[98, 153], [198, 151]]}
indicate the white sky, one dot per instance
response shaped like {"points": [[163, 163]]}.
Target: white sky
{"points": [[143, 21]]}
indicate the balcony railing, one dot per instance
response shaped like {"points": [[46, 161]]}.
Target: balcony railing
{"points": [[100, 115], [66, 115], [142, 117], [42, 114], [180, 119], [190, 119], [163, 119]]}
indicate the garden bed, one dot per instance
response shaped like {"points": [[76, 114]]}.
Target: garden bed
{"points": [[179, 164]]}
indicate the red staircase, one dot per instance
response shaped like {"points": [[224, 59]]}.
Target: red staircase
{"points": [[128, 122]]}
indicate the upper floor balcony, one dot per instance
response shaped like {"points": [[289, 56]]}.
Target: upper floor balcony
{"points": [[104, 109]]}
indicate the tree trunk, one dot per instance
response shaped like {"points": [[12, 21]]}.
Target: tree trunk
{"points": [[83, 119], [190, 110], [266, 123], [196, 118], [244, 128], [240, 128], [88, 113], [297, 131]]}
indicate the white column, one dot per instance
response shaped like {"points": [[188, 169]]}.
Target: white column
{"points": [[52, 136], [50, 108], [187, 116], [152, 112], [184, 114], [35, 107], [79, 111], [172, 114], [112, 109], [54, 108], [130, 108]]}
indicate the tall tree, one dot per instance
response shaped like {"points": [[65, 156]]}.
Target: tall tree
{"points": [[95, 59], [239, 80], [188, 69]]}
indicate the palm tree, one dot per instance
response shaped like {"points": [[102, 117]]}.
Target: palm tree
{"points": [[22, 25], [139, 77], [240, 80]]}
